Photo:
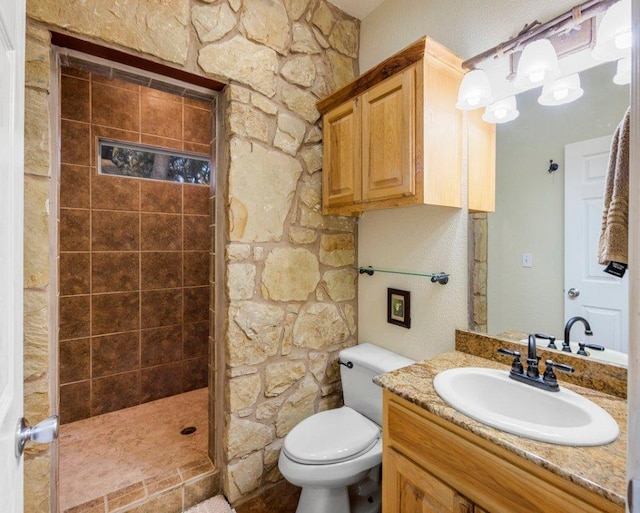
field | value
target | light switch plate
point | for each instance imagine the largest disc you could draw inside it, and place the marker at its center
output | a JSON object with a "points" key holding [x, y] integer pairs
{"points": [[527, 260]]}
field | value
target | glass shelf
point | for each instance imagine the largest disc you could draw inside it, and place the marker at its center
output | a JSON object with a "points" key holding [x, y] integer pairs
{"points": [[441, 278]]}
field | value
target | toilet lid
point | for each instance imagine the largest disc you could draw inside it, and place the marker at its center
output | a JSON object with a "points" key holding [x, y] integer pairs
{"points": [[330, 437]]}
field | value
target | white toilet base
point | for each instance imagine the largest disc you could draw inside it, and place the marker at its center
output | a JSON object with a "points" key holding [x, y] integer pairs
{"points": [[343, 499]]}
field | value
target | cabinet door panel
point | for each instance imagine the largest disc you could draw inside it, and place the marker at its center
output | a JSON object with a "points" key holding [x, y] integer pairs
{"points": [[341, 158], [388, 138], [411, 489]]}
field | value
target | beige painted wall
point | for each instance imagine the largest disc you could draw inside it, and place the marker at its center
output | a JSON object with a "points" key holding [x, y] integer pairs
{"points": [[426, 238], [529, 216]]}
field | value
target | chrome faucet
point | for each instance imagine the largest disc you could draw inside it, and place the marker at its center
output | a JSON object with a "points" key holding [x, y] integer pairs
{"points": [[567, 331]]}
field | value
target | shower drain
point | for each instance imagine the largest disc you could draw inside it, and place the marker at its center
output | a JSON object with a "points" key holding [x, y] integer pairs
{"points": [[188, 430]]}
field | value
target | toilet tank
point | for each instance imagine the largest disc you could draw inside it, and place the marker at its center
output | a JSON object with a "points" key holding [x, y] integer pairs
{"points": [[360, 393]]}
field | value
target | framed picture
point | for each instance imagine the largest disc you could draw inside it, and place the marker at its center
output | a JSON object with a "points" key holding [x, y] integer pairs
{"points": [[399, 307]]}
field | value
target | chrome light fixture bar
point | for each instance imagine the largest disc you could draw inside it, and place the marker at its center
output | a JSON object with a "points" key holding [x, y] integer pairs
{"points": [[534, 31]]}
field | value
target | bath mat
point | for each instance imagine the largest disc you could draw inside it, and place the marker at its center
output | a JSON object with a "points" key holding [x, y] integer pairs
{"points": [[217, 504]]}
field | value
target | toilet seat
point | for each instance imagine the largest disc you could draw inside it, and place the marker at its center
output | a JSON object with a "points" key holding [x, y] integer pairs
{"points": [[331, 436]]}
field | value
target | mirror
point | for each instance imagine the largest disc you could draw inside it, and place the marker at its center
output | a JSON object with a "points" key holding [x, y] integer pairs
{"points": [[526, 234]]}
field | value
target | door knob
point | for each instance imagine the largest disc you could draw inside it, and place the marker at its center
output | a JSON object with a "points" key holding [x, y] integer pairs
{"points": [[43, 432], [573, 293]]}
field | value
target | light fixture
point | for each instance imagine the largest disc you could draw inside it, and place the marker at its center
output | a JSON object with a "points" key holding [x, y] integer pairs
{"points": [[614, 37], [475, 91], [623, 71], [563, 90], [538, 64], [501, 111]]}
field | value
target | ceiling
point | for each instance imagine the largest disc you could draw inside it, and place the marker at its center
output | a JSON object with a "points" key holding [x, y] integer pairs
{"points": [[357, 8]]}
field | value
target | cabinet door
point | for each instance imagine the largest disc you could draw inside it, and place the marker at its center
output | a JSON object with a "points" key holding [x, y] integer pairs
{"points": [[341, 184], [407, 488], [388, 138]]}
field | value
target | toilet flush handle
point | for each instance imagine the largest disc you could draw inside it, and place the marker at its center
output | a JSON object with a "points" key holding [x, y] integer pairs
{"points": [[348, 365]]}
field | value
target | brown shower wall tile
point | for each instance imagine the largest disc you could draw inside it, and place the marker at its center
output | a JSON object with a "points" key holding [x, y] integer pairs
{"points": [[114, 313], [161, 115], [75, 99], [161, 381], [115, 392], [115, 193], [196, 198], [196, 268], [201, 149], [75, 229], [161, 345], [164, 197], [195, 373], [115, 231], [75, 186], [161, 232], [161, 142], [74, 317], [197, 125], [74, 274], [115, 107], [75, 401], [115, 272], [196, 232], [75, 143], [196, 339], [113, 354], [129, 329], [74, 361], [161, 270], [196, 304], [161, 307]]}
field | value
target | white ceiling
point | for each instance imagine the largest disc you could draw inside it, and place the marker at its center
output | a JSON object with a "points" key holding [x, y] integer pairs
{"points": [[357, 8]]}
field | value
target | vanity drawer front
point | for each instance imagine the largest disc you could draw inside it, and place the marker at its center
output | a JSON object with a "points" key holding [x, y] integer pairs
{"points": [[491, 477]]}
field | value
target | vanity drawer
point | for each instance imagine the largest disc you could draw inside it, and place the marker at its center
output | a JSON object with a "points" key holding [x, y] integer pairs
{"points": [[493, 478]]}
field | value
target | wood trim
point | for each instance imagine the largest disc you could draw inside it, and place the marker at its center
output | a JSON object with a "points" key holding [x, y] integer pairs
{"points": [[111, 54], [488, 475], [405, 58]]}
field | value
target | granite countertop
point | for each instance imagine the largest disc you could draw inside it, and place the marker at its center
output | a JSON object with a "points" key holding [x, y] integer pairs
{"points": [[601, 470]]}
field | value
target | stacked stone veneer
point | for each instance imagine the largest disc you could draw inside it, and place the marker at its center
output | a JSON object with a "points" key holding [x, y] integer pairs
{"points": [[286, 299], [478, 240]]}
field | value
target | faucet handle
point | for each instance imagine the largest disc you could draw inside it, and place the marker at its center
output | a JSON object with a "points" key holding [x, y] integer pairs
{"points": [[550, 377], [550, 338], [516, 366], [582, 346]]}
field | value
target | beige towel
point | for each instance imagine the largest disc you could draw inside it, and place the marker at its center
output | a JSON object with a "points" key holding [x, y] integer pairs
{"points": [[614, 235]]}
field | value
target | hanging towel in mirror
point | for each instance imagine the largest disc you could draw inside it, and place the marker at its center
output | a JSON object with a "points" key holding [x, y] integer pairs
{"points": [[614, 234]]}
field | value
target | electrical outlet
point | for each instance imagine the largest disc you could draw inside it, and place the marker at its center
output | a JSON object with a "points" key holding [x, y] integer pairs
{"points": [[527, 260]]}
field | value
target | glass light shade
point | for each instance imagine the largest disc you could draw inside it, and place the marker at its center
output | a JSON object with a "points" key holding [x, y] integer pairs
{"points": [[475, 91], [623, 72], [538, 65], [501, 111], [614, 37], [563, 90]]}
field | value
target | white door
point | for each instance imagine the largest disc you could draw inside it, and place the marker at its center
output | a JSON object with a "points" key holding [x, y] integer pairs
{"points": [[12, 16], [601, 298]]}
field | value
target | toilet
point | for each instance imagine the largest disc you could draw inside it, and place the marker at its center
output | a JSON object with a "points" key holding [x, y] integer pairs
{"points": [[335, 455]]}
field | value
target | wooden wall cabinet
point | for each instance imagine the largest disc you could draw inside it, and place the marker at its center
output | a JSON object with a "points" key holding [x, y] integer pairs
{"points": [[393, 136], [433, 466]]}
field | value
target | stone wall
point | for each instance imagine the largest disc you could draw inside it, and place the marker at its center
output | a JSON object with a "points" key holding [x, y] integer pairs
{"points": [[478, 240], [288, 288]]}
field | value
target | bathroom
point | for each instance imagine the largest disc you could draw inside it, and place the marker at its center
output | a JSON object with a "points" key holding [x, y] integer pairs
{"points": [[441, 246]]}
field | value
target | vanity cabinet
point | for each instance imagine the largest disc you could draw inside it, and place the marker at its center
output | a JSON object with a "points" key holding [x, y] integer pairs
{"points": [[393, 137], [434, 466]]}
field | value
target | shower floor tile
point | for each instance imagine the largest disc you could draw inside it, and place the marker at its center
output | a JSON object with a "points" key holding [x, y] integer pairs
{"points": [[132, 448]]}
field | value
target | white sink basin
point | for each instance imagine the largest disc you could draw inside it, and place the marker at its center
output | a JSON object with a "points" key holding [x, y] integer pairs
{"points": [[491, 397]]}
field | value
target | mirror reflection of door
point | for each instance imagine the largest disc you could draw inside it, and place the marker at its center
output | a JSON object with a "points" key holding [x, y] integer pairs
{"points": [[600, 298]]}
